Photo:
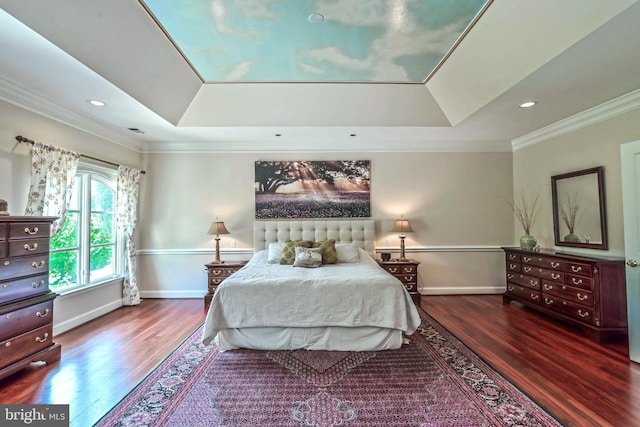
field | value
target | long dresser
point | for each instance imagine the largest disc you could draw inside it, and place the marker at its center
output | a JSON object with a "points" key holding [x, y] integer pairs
{"points": [[587, 292], [26, 303]]}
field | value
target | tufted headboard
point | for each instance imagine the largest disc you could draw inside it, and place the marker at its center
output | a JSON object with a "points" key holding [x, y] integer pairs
{"points": [[360, 232]]}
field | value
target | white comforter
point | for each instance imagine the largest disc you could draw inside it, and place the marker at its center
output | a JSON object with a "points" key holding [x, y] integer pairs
{"points": [[344, 294]]}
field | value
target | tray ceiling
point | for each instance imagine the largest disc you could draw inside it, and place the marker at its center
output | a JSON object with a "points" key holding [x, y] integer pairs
{"points": [[364, 41]]}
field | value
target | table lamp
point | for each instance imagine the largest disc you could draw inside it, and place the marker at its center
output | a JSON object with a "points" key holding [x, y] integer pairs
{"points": [[402, 226], [217, 228]]}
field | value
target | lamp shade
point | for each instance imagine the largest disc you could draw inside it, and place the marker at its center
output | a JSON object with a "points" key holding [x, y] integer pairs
{"points": [[402, 226], [217, 227]]}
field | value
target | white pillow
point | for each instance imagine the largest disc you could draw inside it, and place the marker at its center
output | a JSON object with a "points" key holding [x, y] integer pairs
{"points": [[275, 253], [347, 252], [308, 257]]}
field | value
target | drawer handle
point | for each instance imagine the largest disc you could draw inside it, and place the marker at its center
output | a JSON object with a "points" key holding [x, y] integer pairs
{"points": [[44, 337], [534, 297], [393, 269], [5, 285], [576, 281], [39, 264], [7, 262], [9, 316], [45, 314], [408, 269], [509, 276], [583, 298], [37, 285], [533, 282], [576, 269], [555, 264], [407, 278], [548, 301], [564, 288], [547, 287], [510, 288], [527, 269], [555, 276], [513, 266], [511, 257], [31, 232], [31, 248], [7, 344], [526, 258], [583, 313]]}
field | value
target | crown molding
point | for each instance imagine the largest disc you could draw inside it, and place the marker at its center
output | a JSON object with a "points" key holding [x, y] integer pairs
{"points": [[599, 113], [20, 97]]}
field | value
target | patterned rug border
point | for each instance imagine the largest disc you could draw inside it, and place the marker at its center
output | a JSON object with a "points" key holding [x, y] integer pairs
{"points": [[187, 357], [492, 369]]}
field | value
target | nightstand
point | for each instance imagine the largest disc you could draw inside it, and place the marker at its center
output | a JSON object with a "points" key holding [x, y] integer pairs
{"points": [[407, 273], [217, 273]]}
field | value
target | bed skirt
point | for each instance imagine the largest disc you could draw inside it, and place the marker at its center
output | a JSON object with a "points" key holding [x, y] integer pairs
{"points": [[332, 338]]}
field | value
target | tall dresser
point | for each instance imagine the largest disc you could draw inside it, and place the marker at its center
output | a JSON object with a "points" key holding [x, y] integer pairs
{"points": [[26, 303], [587, 292]]}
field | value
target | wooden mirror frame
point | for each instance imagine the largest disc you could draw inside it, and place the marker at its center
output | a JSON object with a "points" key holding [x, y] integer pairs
{"points": [[558, 179]]}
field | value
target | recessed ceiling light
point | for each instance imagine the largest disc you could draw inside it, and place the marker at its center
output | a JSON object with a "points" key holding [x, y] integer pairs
{"points": [[97, 103], [528, 104], [353, 134], [316, 18], [278, 134]]}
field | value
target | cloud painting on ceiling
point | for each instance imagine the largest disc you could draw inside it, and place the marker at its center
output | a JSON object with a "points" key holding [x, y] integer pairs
{"points": [[387, 41]]}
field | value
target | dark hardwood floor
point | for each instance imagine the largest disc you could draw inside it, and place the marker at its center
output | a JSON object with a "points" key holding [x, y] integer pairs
{"points": [[578, 381]]}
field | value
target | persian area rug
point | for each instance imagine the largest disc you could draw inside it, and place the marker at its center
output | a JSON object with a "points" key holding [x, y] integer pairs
{"points": [[435, 380]]}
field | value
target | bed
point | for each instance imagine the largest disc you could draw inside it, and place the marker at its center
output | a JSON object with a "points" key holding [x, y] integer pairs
{"points": [[352, 305]]}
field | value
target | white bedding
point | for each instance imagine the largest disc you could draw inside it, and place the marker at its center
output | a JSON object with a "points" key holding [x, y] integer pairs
{"points": [[345, 295]]}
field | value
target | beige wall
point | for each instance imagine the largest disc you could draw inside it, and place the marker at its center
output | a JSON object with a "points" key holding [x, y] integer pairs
{"points": [[456, 203], [595, 145], [15, 170]]}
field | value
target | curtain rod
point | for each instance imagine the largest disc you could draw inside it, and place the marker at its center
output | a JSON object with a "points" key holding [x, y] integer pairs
{"points": [[31, 141]]}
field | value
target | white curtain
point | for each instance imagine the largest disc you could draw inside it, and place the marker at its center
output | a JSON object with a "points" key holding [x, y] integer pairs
{"points": [[53, 171], [128, 190]]}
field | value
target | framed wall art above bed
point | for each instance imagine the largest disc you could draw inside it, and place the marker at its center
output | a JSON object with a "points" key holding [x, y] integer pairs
{"points": [[312, 189]]}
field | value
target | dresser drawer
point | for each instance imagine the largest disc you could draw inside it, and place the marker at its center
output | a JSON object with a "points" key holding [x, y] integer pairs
{"points": [[529, 282], [21, 346], [514, 266], [522, 292], [22, 288], [543, 273], [579, 281], [28, 247], [569, 308], [578, 269], [25, 319], [17, 267], [3, 248], [511, 257], [29, 230], [577, 295], [540, 261]]}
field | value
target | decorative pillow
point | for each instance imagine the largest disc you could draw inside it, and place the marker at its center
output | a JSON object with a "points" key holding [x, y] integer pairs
{"points": [[275, 253], [347, 252], [329, 254], [308, 257], [289, 250]]}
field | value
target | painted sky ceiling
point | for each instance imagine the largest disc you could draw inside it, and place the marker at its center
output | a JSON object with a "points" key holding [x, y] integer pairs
{"points": [[386, 41]]}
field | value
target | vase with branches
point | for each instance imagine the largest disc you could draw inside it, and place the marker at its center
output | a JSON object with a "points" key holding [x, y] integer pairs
{"points": [[526, 208], [569, 215]]}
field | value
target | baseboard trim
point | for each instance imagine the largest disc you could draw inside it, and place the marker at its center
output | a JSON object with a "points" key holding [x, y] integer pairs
{"points": [[59, 328], [173, 294], [457, 290]]}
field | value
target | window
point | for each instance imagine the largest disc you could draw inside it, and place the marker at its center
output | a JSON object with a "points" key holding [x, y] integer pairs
{"points": [[86, 250]]}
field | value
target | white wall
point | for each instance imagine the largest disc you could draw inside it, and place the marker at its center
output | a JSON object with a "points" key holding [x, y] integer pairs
{"points": [[456, 203], [15, 171], [591, 146]]}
